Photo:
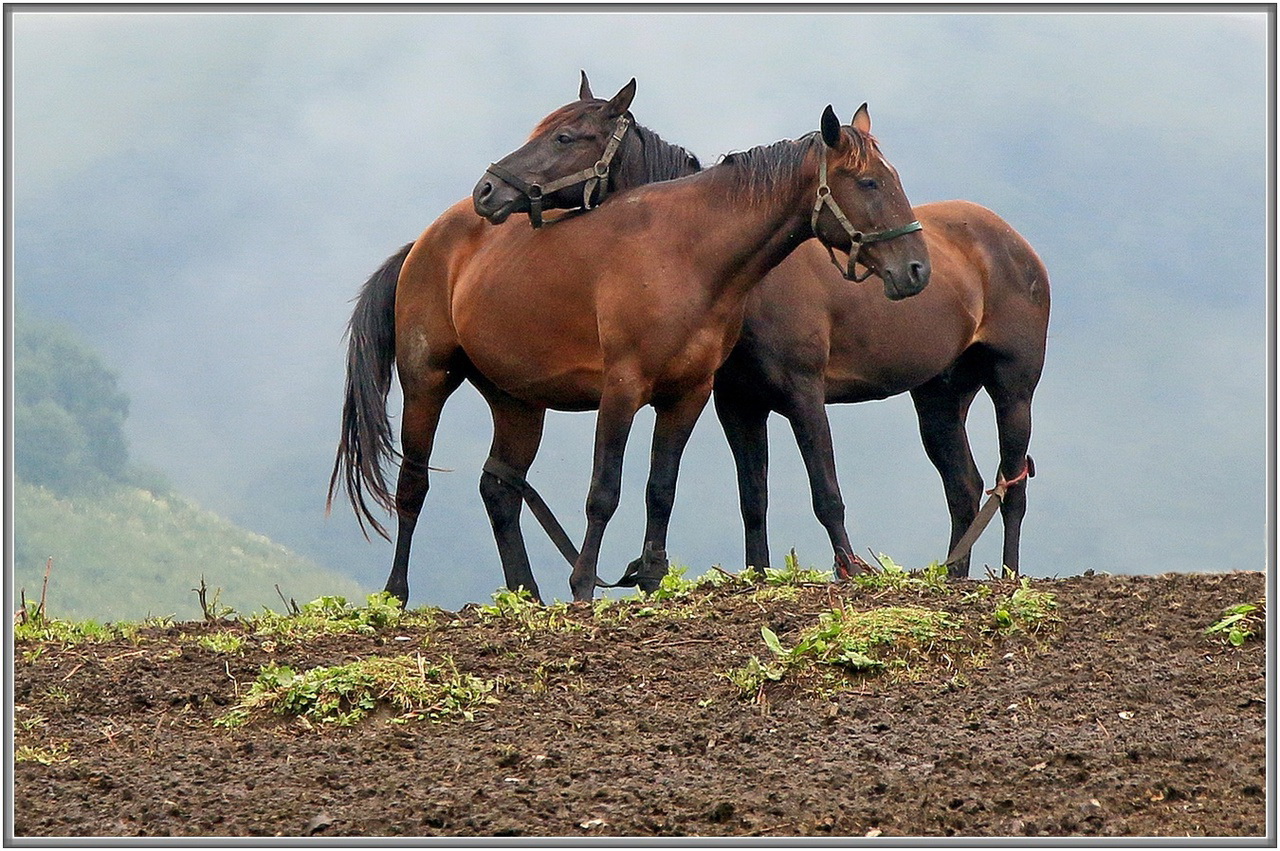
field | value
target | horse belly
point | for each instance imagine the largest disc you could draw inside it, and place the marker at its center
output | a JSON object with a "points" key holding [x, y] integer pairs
{"points": [[892, 347]]}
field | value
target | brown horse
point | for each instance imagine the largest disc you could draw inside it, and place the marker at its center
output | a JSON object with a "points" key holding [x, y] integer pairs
{"points": [[407, 301], [638, 303], [809, 339]]}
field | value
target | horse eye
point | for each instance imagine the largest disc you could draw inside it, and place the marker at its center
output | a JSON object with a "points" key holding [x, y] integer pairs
{"points": [[564, 138], [868, 183]]}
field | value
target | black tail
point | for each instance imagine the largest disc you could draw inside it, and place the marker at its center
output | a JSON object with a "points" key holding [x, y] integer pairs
{"points": [[366, 430]]}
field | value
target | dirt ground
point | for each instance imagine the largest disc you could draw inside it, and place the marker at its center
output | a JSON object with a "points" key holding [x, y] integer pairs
{"points": [[1120, 719]]}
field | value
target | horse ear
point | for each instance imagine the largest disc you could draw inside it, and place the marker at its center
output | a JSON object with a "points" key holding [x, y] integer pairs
{"points": [[861, 120], [621, 102], [584, 89], [830, 127]]}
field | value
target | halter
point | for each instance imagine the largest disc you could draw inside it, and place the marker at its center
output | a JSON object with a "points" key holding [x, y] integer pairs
{"points": [[856, 237], [592, 178]]}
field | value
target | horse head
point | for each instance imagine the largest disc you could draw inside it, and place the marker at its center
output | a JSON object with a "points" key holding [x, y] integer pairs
{"points": [[862, 210], [566, 162]]}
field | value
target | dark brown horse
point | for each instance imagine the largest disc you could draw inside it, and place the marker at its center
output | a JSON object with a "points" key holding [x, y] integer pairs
{"points": [[637, 303], [810, 338]]}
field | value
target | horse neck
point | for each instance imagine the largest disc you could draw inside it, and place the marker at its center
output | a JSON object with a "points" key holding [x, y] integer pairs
{"points": [[753, 231], [645, 158]]}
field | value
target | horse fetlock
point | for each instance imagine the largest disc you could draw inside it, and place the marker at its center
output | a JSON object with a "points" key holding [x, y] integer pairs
{"points": [[650, 568]]}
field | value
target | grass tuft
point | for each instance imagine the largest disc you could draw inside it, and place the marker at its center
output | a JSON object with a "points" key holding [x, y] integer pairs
{"points": [[343, 695]]}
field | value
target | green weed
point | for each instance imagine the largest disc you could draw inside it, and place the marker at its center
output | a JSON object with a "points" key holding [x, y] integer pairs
{"points": [[222, 642], [793, 574], [893, 576], [332, 614], [62, 632], [1239, 623], [1026, 608], [520, 609], [751, 677], [52, 754], [853, 641], [342, 695]]}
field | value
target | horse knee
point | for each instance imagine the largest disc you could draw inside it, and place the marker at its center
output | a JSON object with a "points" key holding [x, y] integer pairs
{"points": [[494, 491], [602, 502]]}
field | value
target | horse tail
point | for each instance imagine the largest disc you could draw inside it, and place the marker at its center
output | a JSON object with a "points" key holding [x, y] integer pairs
{"points": [[367, 440]]}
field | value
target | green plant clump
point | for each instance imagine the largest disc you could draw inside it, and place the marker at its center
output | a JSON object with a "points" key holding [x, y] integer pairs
{"points": [[893, 576], [342, 695], [332, 614], [67, 633], [851, 640], [1240, 623], [1026, 608]]}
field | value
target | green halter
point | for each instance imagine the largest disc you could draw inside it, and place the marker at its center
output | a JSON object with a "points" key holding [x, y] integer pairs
{"points": [[856, 237]]}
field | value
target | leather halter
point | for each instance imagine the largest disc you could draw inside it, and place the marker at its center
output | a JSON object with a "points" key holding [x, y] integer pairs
{"points": [[856, 237], [596, 177]]}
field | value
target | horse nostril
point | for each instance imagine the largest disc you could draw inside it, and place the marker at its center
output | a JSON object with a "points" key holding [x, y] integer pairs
{"points": [[486, 189], [918, 271]]}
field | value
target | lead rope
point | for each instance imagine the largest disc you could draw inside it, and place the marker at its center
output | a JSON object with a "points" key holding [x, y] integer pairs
{"points": [[965, 545]]}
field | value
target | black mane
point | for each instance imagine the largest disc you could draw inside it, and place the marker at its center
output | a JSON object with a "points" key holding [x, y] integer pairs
{"points": [[647, 158]]}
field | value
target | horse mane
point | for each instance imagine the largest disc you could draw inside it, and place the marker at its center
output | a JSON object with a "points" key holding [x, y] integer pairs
{"points": [[660, 159], [754, 174]]}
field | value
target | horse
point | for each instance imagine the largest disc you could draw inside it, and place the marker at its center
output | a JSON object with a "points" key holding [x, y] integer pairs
{"points": [[810, 339], [405, 301], [638, 303]]}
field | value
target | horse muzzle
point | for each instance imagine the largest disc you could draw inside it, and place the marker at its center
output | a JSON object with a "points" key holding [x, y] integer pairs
{"points": [[496, 201], [906, 280]]}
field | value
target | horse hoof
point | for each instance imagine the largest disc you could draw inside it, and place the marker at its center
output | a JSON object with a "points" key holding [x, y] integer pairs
{"points": [[401, 593], [650, 568], [848, 565]]}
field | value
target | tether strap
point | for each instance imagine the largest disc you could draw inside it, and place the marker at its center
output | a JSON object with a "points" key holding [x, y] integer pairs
{"points": [[512, 478], [594, 178], [857, 239], [965, 545]]}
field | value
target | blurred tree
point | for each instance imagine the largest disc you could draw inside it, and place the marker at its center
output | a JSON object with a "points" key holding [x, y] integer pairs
{"points": [[68, 412]]}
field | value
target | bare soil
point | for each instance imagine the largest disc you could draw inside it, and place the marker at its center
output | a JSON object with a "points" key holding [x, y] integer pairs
{"points": [[1122, 719]]}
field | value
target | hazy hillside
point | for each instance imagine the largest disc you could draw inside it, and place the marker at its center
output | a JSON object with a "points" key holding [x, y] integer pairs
{"points": [[126, 553]]}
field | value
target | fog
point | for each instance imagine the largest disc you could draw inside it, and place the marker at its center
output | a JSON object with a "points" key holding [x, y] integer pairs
{"points": [[200, 195]]}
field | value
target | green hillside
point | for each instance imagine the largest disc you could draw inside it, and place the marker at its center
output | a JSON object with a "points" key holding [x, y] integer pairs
{"points": [[123, 553]]}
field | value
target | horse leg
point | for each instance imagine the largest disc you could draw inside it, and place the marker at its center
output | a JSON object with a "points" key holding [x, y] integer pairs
{"points": [[747, 430], [422, 405], [807, 412], [941, 407], [618, 406], [517, 432], [671, 431], [1011, 388]]}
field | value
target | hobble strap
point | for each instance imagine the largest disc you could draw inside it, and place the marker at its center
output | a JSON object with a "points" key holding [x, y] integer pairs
{"points": [[646, 570]]}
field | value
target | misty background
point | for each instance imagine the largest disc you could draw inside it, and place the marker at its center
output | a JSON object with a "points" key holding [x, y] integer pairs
{"points": [[200, 195]]}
